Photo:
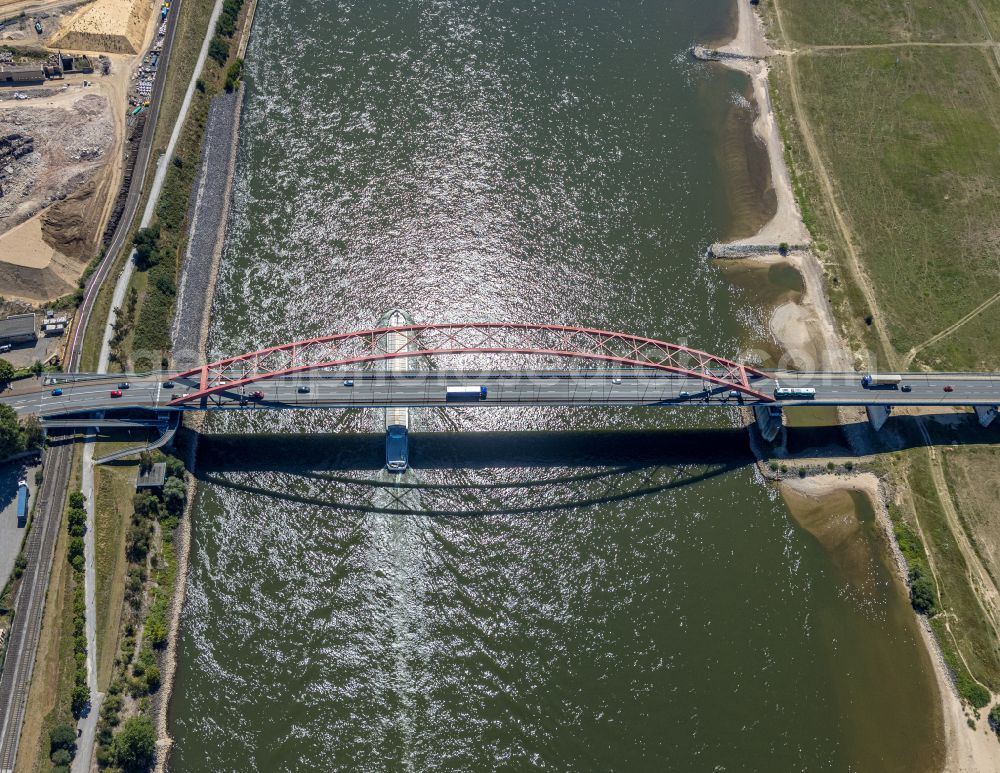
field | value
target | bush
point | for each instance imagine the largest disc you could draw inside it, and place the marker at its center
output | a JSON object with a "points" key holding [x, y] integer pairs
{"points": [[61, 757], [6, 373], [218, 50], [923, 595], [977, 695], [76, 500], [994, 719]]}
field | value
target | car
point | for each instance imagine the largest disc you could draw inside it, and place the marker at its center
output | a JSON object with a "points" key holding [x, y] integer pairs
{"points": [[168, 384], [906, 388], [56, 392], [685, 395], [116, 393], [303, 390], [736, 395], [949, 388], [5, 348], [616, 380], [348, 382], [258, 395], [124, 385]]}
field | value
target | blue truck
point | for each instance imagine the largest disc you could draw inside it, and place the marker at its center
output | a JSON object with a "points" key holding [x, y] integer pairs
{"points": [[22, 504]]}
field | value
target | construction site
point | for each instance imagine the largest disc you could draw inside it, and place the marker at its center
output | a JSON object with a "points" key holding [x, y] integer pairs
{"points": [[75, 83]]}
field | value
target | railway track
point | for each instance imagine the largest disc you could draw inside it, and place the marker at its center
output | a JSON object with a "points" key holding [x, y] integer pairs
{"points": [[30, 604]]}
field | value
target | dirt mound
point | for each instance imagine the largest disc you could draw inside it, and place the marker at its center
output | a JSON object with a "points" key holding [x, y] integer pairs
{"points": [[115, 26], [35, 285], [70, 226]]}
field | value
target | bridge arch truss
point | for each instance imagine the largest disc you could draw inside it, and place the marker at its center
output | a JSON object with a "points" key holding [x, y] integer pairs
{"points": [[481, 338]]}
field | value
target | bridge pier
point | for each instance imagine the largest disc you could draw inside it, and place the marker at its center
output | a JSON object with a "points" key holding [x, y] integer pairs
{"points": [[986, 414], [770, 420], [877, 415], [397, 419]]}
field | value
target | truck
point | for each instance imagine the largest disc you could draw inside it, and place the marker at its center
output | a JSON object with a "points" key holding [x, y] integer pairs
{"points": [[794, 393], [890, 380], [22, 504], [458, 393], [396, 448]]}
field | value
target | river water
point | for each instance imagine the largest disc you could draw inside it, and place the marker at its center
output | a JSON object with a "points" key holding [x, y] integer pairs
{"points": [[591, 590]]}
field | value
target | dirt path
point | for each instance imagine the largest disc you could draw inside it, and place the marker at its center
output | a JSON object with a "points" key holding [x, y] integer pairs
{"points": [[908, 359]]}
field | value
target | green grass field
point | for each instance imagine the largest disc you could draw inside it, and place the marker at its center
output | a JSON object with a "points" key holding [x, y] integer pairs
{"points": [[910, 137], [859, 22], [114, 487]]}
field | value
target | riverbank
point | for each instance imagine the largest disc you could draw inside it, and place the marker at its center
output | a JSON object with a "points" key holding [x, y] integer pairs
{"points": [[805, 329], [809, 334]]}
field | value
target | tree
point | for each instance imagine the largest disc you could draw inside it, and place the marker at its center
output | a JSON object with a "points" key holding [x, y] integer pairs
{"points": [[61, 758], [174, 495], [175, 467], [62, 737], [147, 246], [33, 434], [80, 700], [6, 373], [133, 747], [10, 432], [923, 595], [145, 462]]}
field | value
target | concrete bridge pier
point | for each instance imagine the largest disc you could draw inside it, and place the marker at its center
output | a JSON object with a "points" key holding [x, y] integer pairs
{"points": [[986, 414], [877, 415], [770, 420]]}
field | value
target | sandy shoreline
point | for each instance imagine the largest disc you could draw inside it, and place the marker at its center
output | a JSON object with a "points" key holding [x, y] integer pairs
{"points": [[807, 331]]}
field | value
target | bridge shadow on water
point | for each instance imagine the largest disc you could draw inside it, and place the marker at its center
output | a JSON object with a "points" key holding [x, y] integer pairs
{"points": [[611, 467]]}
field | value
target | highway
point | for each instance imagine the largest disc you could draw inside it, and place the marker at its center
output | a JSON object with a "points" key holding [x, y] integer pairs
{"points": [[357, 389]]}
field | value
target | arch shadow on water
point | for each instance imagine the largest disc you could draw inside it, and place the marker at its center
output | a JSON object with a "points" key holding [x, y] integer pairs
{"points": [[616, 466]]}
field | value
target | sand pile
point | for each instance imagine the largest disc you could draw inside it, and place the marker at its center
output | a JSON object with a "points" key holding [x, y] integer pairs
{"points": [[115, 26]]}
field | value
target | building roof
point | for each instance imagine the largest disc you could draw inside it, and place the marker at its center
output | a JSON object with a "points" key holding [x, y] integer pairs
{"points": [[21, 72], [17, 325], [152, 478]]}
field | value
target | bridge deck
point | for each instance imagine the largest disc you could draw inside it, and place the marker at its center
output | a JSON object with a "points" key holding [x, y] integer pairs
{"points": [[416, 388]]}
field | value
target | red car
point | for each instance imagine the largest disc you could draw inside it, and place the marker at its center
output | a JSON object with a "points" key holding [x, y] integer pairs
{"points": [[116, 393], [949, 388], [258, 395]]}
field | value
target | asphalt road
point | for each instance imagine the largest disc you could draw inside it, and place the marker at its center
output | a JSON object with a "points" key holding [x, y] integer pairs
{"points": [[87, 392]]}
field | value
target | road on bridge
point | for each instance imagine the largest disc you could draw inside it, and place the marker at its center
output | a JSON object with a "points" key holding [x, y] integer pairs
{"points": [[358, 389]]}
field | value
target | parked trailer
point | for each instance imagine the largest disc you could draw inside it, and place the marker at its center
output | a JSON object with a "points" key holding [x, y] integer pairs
{"points": [[453, 394], [22, 504]]}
